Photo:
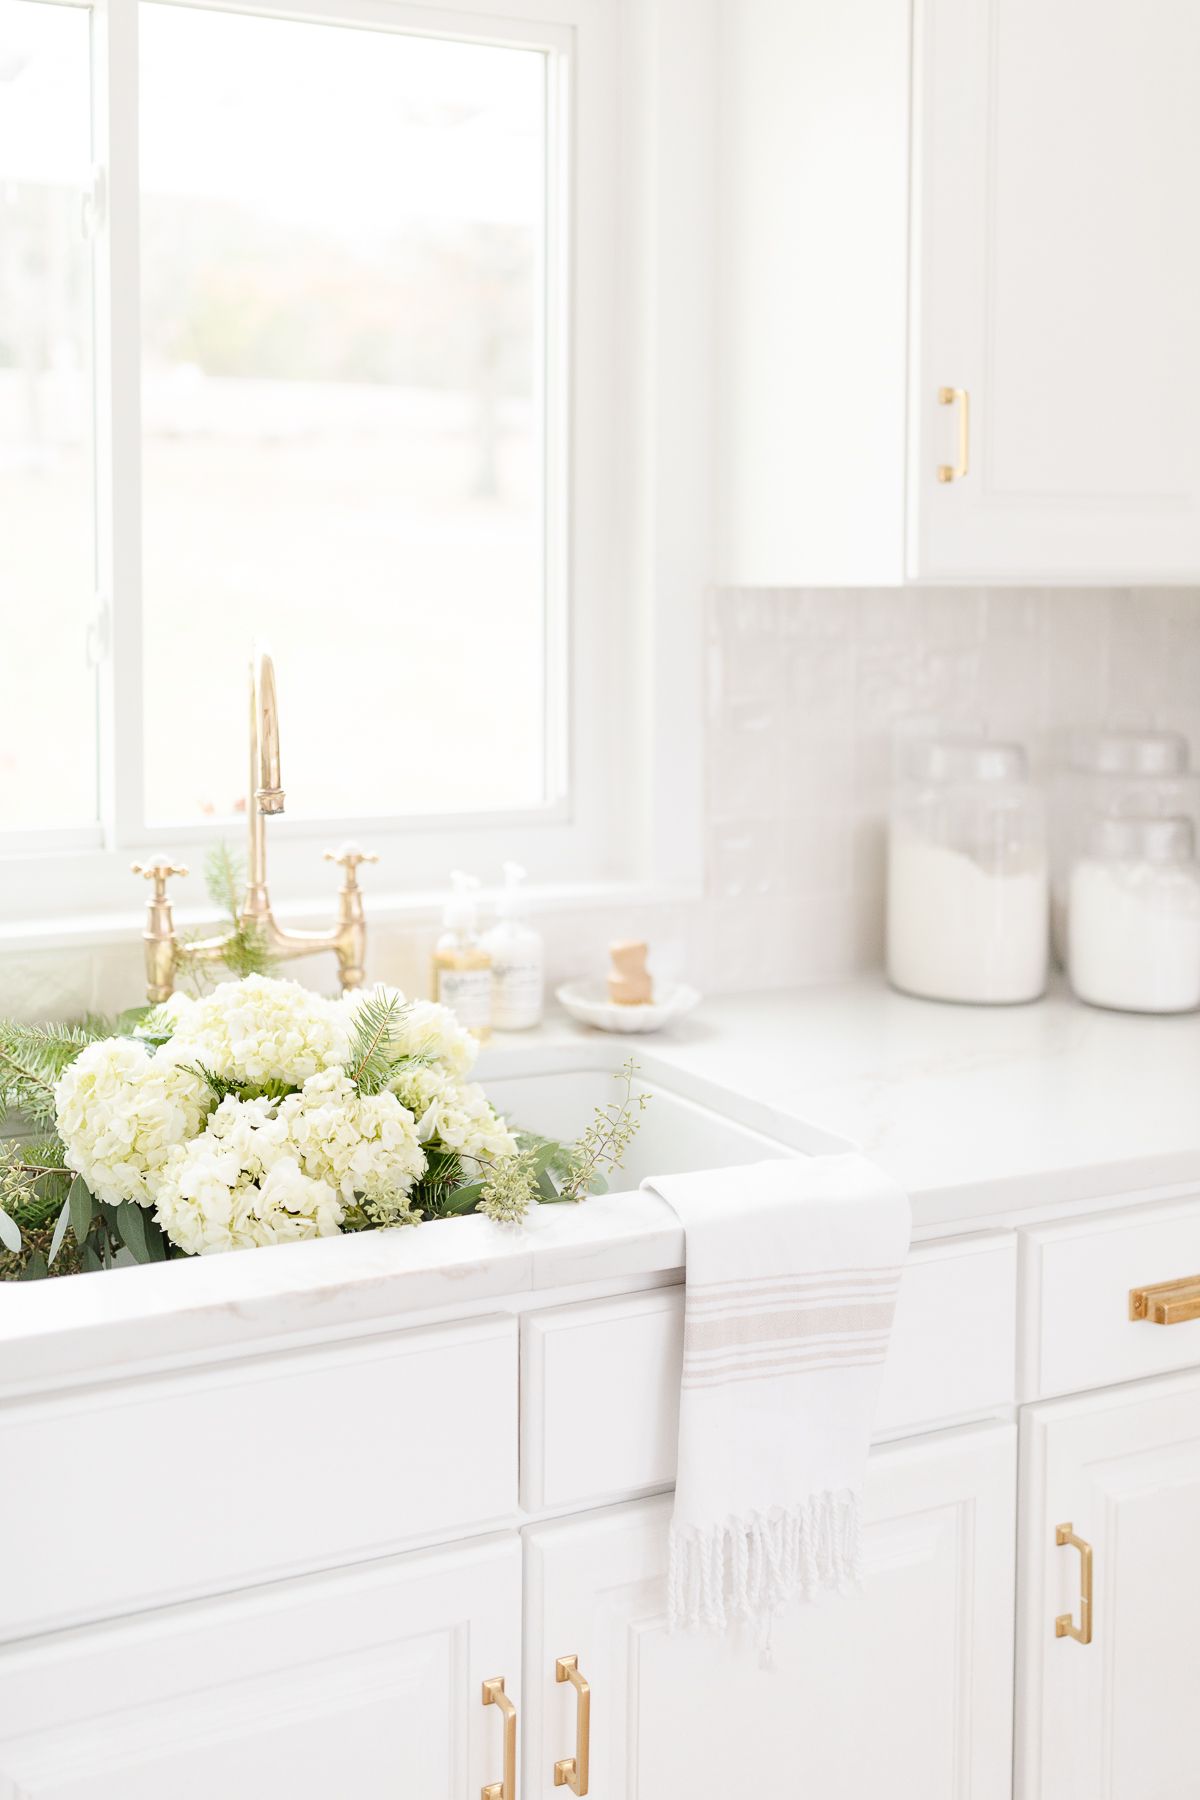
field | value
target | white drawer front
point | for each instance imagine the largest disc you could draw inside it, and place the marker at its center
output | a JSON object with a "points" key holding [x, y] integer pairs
{"points": [[1076, 1280], [954, 1343], [600, 1398], [162, 1487], [600, 1381]]}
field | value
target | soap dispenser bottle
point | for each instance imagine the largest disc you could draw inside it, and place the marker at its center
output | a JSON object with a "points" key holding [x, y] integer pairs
{"points": [[462, 968], [517, 958]]}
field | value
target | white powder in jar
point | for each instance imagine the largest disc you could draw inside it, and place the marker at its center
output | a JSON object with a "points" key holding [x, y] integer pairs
{"points": [[958, 929], [1134, 935]]}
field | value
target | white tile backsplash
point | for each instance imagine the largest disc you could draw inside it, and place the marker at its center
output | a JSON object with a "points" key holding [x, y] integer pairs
{"points": [[795, 853], [805, 690]]}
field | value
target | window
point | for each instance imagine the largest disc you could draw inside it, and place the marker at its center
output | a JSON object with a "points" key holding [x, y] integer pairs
{"points": [[48, 760], [309, 323], [343, 238]]}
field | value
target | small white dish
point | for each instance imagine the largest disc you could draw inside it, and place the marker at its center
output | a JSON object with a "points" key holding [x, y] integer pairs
{"points": [[588, 1002]]}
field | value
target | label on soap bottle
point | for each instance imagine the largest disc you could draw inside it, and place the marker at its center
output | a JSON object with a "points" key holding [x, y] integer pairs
{"points": [[517, 994], [468, 994]]}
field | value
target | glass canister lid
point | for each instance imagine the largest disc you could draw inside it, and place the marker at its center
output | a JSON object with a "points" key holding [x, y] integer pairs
{"points": [[1129, 752], [946, 761], [1142, 840]]}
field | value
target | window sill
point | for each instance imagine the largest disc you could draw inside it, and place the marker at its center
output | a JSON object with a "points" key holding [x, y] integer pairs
{"points": [[95, 930]]}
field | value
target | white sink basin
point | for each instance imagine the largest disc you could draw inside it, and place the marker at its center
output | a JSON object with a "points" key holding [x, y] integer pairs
{"points": [[674, 1135], [688, 1124]]}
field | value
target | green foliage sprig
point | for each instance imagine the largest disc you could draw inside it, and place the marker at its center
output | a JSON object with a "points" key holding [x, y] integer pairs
{"points": [[376, 1022], [601, 1149], [245, 951]]}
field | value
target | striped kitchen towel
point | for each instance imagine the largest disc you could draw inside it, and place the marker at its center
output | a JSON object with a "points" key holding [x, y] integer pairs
{"points": [[792, 1272]]}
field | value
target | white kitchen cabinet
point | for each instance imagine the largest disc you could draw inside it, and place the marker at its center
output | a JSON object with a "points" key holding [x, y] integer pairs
{"points": [[903, 1689], [1057, 280], [1021, 176], [1113, 1719], [364, 1683]]}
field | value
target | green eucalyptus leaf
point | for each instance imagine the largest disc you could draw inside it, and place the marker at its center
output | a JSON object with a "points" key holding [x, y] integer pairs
{"points": [[89, 1258], [464, 1199], [156, 1239], [79, 1203], [10, 1232], [131, 1223], [35, 1269], [60, 1230]]}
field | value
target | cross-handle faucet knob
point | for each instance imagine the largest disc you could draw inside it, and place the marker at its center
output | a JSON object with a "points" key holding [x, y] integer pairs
{"points": [[348, 858], [159, 872]]}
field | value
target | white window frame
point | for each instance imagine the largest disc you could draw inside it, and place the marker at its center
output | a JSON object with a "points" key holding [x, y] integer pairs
{"points": [[628, 466]]}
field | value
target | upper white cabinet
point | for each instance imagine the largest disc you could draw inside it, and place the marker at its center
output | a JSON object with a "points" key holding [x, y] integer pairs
{"points": [[959, 238]]}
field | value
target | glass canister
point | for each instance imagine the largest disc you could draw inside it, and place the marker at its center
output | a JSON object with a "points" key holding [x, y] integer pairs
{"points": [[1133, 933], [1129, 773], [968, 875]]}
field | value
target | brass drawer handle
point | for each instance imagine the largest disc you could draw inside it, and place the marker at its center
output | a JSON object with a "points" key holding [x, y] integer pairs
{"points": [[1167, 1303], [572, 1771], [1064, 1625], [956, 471], [494, 1695]]}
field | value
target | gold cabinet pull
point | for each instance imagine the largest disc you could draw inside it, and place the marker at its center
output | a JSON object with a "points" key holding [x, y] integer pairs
{"points": [[1064, 1625], [956, 471], [1168, 1303], [494, 1695], [572, 1771]]}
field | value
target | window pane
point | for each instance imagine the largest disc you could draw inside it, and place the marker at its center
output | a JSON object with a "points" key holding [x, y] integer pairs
{"points": [[343, 260], [47, 553]]}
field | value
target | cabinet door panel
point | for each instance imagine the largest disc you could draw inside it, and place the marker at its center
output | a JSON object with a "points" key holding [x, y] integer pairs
{"points": [[1113, 1719], [1057, 278], [366, 1682], [903, 1689]]}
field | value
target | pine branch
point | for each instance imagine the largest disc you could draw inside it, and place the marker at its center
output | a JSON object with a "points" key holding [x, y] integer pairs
{"points": [[375, 1025], [245, 950], [32, 1057], [24, 1090], [225, 878], [220, 1085]]}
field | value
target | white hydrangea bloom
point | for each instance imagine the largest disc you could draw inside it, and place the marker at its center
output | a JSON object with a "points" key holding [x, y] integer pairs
{"points": [[425, 1029], [459, 1113], [359, 1145], [260, 1029], [431, 1030], [174, 1010], [240, 1184], [121, 1111]]}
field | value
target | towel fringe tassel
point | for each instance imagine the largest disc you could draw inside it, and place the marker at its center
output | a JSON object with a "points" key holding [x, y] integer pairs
{"points": [[749, 1567]]}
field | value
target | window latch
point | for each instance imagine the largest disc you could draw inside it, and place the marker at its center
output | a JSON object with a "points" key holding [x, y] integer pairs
{"points": [[99, 632], [91, 205]]}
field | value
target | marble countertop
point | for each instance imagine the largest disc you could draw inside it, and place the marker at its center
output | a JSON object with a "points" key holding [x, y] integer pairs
{"points": [[974, 1110], [984, 1115]]}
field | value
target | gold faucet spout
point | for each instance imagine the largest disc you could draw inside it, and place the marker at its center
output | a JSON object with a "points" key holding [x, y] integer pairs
{"points": [[264, 736]]}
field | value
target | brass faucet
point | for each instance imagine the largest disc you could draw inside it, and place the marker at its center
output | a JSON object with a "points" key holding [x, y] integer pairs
{"points": [[165, 954]]}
